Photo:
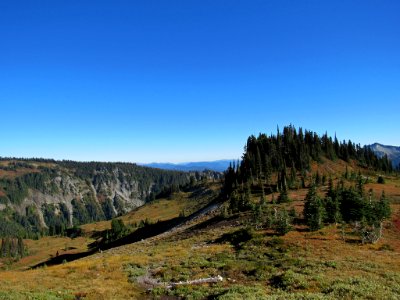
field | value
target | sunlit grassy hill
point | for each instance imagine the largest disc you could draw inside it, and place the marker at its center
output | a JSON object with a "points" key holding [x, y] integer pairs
{"points": [[254, 263]]}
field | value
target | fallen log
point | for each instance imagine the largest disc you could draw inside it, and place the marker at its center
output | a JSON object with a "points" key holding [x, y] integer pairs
{"points": [[216, 279]]}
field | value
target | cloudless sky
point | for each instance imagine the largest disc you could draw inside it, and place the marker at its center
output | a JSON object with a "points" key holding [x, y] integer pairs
{"points": [[145, 81]]}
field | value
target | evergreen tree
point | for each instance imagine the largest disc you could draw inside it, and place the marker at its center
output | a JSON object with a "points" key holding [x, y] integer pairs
{"points": [[117, 228], [323, 179], [293, 183], [360, 184], [21, 247], [352, 206], [375, 212], [314, 212], [332, 209], [258, 164], [317, 179], [234, 202], [283, 196], [383, 210], [7, 247], [282, 223], [332, 204], [258, 212], [3, 252]]}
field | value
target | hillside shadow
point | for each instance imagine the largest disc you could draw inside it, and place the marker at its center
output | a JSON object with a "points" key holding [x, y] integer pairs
{"points": [[352, 241], [212, 222], [59, 259], [142, 233], [199, 192], [302, 229], [148, 231], [138, 235]]}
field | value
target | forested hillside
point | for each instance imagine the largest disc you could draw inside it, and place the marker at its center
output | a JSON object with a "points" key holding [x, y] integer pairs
{"points": [[290, 155], [46, 197], [283, 162]]}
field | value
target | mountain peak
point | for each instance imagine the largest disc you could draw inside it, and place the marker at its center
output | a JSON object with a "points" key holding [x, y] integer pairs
{"points": [[393, 152]]}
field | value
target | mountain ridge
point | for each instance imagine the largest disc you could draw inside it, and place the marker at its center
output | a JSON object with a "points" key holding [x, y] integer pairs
{"points": [[49, 196], [392, 152], [216, 165]]}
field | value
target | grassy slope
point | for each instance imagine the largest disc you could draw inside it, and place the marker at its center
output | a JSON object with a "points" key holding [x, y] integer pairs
{"points": [[95, 277], [300, 264], [161, 209]]}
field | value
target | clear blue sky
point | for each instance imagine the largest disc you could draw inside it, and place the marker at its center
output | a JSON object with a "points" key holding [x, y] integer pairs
{"points": [[144, 81]]}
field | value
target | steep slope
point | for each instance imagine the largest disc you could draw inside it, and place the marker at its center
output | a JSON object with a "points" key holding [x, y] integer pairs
{"points": [[392, 152], [49, 196], [181, 206]]}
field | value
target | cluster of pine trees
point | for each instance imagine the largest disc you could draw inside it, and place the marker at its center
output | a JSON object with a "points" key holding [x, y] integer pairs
{"points": [[14, 224], [292, 152], [349, 206], [56, 218], [12, 247], [16, 189], [273, 164]]}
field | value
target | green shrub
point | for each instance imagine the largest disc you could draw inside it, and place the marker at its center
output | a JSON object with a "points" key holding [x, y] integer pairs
{"points": [[289, 281], [238, 237], [134, 271], [359, 288], [243, 292]]}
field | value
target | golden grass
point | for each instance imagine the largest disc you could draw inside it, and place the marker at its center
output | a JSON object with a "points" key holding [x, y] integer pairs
{"points": [[157, 210], [103, 275], [41, 250], [95, 278]]}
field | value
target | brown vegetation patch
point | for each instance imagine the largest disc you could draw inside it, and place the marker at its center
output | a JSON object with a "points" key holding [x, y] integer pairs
{"points": [[17, 173]]}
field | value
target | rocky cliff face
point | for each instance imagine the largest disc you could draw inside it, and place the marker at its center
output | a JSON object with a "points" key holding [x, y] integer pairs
{"points": [[127, 194], [392, 152], [62, 194]]}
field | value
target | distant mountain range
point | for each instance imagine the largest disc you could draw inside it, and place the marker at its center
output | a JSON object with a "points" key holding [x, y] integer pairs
{"points": [[218, 165], [392, 152]]}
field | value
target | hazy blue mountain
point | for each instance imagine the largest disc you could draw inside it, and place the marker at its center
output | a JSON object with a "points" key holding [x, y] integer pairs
{"points": [[218, 165], [392, 152]]}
